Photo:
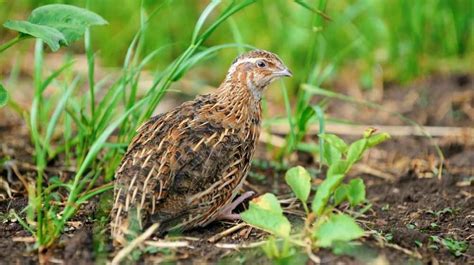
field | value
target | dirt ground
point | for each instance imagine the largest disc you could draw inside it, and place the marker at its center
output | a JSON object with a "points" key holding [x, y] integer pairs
{"points": [[412, 206]]}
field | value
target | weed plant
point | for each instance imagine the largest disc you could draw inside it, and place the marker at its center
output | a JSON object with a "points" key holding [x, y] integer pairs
{"points": [[323, 227]]}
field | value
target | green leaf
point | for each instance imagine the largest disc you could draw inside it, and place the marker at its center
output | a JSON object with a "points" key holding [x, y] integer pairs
{"points": [[305, 116], [340, 194], [356, 191], [338, 168], [300, 182], [356, 149], [335, 141], [56, 24], [327, 187], [339, 228], [376, 139], [71, 21], [330, 154], [3, 96], [268, 202], [49, 35], [265, 213], [454, 246]]}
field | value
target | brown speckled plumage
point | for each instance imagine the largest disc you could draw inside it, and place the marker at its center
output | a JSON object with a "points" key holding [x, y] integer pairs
{"points": [[185, 166]]}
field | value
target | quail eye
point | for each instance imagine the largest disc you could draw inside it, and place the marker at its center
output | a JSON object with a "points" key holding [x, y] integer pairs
{"points": [[261, 64]]}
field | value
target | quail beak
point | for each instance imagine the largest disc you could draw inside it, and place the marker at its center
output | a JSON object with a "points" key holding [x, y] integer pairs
{"points": [[283, 72]]}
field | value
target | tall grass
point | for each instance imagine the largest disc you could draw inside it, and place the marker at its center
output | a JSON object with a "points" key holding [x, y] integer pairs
{"points": [[75, 126]]}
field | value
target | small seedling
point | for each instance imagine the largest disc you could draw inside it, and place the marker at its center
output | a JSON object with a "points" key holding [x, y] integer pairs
{"points": [[418, 243], [457, 248], [454, 246], [441, 212], [323, 228]]}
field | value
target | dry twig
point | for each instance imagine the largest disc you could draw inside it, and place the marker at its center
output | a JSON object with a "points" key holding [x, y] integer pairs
{"points": [[135, 243], [343, 129], [227, 232]]}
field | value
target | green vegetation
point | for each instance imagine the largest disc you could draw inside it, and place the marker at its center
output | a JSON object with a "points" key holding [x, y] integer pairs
{"points": [[55, 25], [454, 246], [323, 227]]}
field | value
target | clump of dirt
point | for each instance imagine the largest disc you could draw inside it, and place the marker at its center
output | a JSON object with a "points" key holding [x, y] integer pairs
{"points": [[412, 212]]}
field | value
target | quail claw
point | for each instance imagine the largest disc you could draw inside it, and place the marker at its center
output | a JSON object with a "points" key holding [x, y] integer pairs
{"points": [[226, 212]]}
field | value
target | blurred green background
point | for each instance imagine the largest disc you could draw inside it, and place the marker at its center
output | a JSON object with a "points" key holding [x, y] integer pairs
{"points": [[402, 39]]}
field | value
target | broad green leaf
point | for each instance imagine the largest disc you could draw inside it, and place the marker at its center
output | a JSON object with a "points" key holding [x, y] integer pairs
{"points": [[300, 182], [335, 141], [356, 191], [356, 149], [327, 187], [50, 36], [265, 213], [339, 228], [71, 21], [268, 202], [330, 154], [340, 194], [376, 139], [3, 96], [56, 24], [338, 168]]}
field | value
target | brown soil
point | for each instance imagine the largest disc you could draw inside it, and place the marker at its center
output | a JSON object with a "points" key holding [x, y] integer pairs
{"points": [[412, 209]]}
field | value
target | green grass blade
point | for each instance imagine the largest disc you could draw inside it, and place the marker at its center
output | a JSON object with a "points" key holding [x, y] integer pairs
{"points": [[207, 11], [91, 155], [58, 111]]}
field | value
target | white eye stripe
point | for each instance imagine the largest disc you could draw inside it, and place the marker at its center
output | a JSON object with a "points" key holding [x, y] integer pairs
{"points": [[241, 61], [248, 60]]}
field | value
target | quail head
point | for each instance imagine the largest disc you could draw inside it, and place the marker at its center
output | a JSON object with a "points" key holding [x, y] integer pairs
{"points": [[184, 167]]}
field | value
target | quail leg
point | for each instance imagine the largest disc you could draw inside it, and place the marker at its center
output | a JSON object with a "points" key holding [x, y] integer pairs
{"points": [[226, 212]]}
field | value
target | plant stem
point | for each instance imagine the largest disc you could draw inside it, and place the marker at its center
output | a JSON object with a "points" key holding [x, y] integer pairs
{"points": [[39, 149], [290, 144], [10, 43]]}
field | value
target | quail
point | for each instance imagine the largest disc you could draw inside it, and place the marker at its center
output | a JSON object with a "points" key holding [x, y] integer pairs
{"points": [[184, 167]]}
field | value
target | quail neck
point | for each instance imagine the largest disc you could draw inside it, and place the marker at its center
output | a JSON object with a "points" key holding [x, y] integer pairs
{"points": [[246, 80]]}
